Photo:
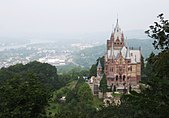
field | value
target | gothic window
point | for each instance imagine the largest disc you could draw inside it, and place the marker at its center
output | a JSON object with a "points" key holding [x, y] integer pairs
{"points": [[130, 68], [106, 67], [116, 77], [124, 77]]}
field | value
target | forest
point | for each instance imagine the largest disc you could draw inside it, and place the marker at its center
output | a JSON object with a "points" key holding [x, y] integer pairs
{"points": [[36, 90]]}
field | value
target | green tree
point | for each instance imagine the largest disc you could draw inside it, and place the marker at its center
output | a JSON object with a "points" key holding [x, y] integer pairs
{"points": [[152, 101], [93, 69], [23, 97], [84, 94], [142, 63], [160, 33], [103, 85], [78, 102]]}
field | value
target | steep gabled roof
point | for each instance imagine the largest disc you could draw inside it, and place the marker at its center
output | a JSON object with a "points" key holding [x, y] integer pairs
{"points": [[117, 32], [99, 64], [135, 56]]}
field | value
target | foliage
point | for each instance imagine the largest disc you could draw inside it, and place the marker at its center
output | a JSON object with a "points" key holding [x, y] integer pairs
{"points": [[142, 63], [26, 89], [46, 73], [23, 96], [93, 69], [84, 94], [103, 84], [149, 69], [152, 101], [55, 104], [78, 102], [160, 33]]}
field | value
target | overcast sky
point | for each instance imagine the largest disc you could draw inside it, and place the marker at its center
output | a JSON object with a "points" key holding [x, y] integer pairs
{"points": [[78, 16]]}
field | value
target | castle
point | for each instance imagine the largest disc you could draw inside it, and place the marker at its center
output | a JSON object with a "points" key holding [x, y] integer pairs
{"points": [[122, 65]]}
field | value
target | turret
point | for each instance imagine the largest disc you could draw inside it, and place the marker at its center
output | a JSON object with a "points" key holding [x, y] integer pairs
{"points": [[99, 69], [118, 37]]}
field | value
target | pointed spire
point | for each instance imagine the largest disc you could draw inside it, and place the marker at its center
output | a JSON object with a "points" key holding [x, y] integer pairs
{"points": [[99, 64], [117, 25], [117, 20]]}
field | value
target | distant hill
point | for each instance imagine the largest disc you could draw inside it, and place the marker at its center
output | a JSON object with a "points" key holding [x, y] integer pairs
{"points": [[145, 44], [88, 56]]}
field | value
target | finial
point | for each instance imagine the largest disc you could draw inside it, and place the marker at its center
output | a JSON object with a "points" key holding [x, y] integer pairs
{"points": [[117, 17]]}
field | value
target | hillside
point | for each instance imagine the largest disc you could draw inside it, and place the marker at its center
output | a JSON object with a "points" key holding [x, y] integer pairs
{"points": [[88, 56]]}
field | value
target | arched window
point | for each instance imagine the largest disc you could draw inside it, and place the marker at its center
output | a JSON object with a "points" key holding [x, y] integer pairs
{"points": [[124, 77], [116, 77]]}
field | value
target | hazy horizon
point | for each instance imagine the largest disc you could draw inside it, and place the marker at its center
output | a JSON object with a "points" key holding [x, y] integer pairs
{"points": [[31, 18]]}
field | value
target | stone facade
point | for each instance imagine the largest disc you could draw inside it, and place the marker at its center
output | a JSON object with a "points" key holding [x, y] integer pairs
{"points": [[122, 64]]}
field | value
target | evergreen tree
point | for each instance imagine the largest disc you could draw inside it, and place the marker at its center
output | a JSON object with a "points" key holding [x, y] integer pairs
{"points": [[103, 85]]}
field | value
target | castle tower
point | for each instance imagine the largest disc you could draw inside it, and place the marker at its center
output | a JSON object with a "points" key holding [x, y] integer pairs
{"points": [[122, 65], [99, 70]]}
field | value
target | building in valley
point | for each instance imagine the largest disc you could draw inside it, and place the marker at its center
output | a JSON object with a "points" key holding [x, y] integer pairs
{"points": [[122, 65]]}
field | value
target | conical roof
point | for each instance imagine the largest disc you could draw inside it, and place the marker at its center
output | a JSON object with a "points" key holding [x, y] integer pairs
{"points": [[99, 64]]}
